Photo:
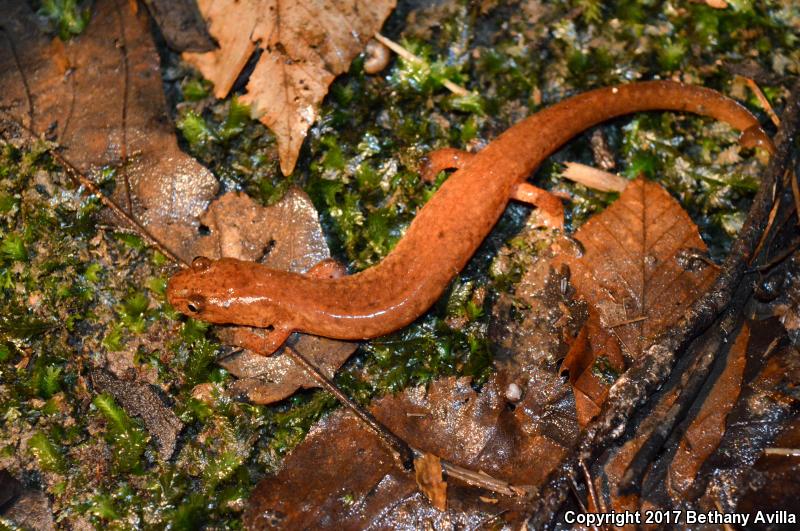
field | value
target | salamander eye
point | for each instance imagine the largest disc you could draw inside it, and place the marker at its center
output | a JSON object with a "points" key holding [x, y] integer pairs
{"points": [[201, 263], [195, 304]]}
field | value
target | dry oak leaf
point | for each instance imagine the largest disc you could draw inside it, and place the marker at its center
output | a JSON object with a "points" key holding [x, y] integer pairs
{"points": [[642, 267], [304, 45]]}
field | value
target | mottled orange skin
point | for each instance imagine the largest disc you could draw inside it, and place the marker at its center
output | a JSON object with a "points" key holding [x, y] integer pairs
{"points": [[442, 237]]}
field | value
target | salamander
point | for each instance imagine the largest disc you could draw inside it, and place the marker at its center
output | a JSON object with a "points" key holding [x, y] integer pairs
{"points": [[443, 236]]}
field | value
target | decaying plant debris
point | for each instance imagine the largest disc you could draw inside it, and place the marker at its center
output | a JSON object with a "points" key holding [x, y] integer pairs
{"points": [[115, 410]]}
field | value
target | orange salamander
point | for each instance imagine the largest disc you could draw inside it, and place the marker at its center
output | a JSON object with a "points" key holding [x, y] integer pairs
{"points": [[443, 236]]}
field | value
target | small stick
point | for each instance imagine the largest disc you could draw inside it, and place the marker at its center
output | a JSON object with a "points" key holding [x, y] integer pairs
{"points": [[574, 488], [788, 452], [783, 255], [796, 195], [482, 480], [84, 181], [599, 504], [404, 452], [408, 56], [726, 527], [594, 178], [123, 48], [762, 99], [629, 321], [770, 220]]}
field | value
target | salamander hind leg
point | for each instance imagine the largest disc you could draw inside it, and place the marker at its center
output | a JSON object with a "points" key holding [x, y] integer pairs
{"points": [[754, 136], [328, 268], [262, 341], [549, 205], [443, 159]]}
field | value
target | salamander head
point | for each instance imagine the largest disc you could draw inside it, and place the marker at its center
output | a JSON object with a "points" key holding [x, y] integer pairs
{"points": [[226, 291]]}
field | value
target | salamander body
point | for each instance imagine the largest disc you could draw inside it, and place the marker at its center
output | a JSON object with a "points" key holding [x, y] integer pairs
{"points": [[441, 239]]}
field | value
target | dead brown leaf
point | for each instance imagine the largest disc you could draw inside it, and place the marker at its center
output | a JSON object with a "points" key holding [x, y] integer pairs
{"points": [[636, 277], [304, 45], [141, 400], [591, 362], [428, 474], [342, 476], [99, 96], [734, 417], [618, 462]]}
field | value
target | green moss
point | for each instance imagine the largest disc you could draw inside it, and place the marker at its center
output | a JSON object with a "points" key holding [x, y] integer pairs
{"points": [[132, 241], [190, 514], [68, 17], [7, 203], [127, 438], [291, 425], [195, 130], [196, 89], [48, 455], [113, 339], [12, 247], [195, 353], [671, 54], [5, 352], [235, 121], [103, 506]]}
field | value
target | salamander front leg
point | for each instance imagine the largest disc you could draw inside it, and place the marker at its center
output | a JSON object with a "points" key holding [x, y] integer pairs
{"points": [[262, 341], [550, 206], [443, 159]]}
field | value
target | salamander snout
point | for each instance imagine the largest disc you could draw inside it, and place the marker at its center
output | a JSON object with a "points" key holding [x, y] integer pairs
{"points": [[183, 290]]}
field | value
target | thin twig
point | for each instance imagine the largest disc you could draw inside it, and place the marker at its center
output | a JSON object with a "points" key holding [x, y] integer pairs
{"points": [[706, 353], [594, 177], [482, 480], [408, 56], [765, 234], [788, 452], [404, 452], [123, 47], [599, 504], [629, 321], [783, 255], [762, 99], [796, 195], [574, 487], [25, 86]]}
